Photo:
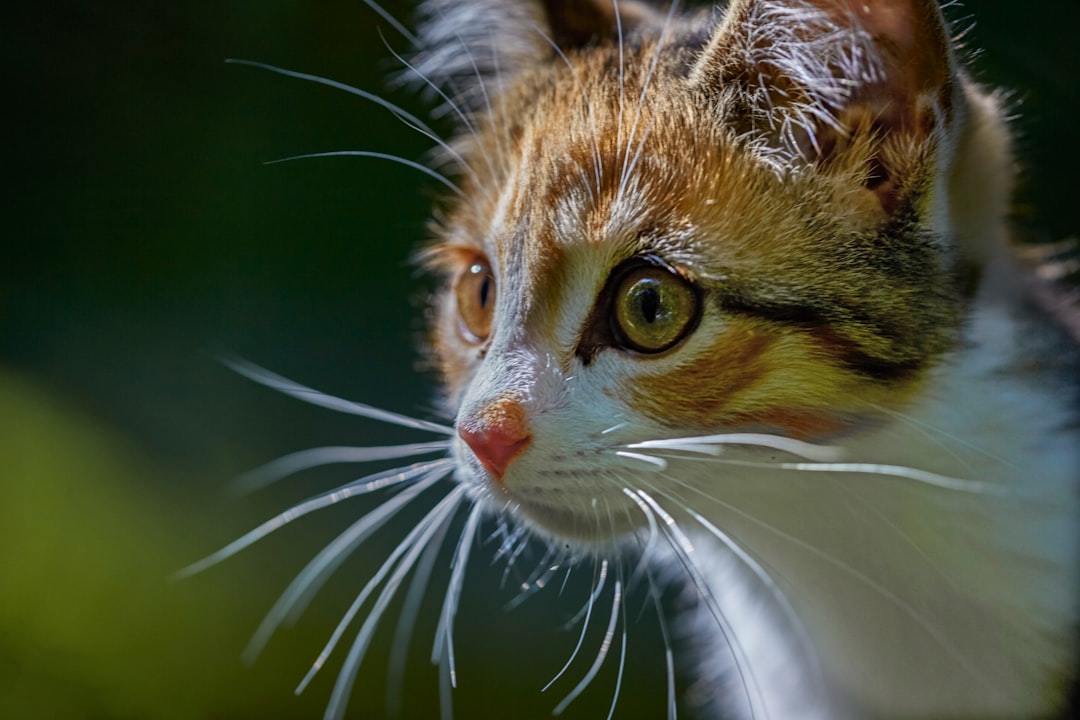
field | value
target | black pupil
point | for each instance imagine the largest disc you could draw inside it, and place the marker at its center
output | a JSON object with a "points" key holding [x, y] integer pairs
{"points": [[485, 291], [649, 300]]}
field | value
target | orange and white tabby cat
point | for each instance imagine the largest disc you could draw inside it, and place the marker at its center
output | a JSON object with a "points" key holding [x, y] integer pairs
{"points": [[729, 288]]}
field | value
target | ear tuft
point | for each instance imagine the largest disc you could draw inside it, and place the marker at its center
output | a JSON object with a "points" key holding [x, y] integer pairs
{"points": [[577, 23], [807, 79]]}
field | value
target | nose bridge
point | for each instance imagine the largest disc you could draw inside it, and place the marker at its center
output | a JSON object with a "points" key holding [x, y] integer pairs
{"points": [[507, 374], [531, 269]]}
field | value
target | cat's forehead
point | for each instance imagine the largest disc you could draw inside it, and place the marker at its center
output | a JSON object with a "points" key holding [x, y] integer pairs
{"points": [[598, 185]]}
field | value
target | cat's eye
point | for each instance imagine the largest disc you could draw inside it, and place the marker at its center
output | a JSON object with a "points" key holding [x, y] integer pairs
{"points": [[653, 307], [474, 291]]}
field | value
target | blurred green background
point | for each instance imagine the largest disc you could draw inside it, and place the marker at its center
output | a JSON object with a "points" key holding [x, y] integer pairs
{"points": [[143, 234]]}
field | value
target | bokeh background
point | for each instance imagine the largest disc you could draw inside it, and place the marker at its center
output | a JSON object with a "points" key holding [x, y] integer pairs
{"points": [[142, 235]]}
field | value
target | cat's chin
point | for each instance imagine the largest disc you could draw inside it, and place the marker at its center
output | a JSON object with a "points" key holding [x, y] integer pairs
{"points": [[580, 520]]}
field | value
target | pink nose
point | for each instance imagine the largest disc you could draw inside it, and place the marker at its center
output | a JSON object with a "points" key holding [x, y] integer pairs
{"points": [[498, 436]]}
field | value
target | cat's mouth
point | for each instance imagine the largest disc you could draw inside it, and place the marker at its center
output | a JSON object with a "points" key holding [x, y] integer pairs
{"points": [[555, 498]]}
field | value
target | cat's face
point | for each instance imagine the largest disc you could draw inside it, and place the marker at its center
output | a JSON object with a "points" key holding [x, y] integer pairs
{"points": [[685, 238]]}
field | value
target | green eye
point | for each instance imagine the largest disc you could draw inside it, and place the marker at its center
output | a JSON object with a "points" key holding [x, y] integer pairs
{"points": [[654, 308]]}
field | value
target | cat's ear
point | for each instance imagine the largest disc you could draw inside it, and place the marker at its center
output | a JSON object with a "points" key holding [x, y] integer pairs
{"points": [[820, 81], [577, 23], [473, 48]]}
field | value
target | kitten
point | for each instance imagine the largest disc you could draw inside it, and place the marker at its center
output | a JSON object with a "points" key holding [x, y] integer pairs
{"points": [[729, 287]]}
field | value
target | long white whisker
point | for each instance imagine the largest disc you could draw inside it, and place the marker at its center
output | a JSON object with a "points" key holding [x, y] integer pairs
{"points": [[764, 578], [653, 460], [450, 150], [898, 471], [395, 109], [518, 549], [409, 547], [308, 581], [601, 655], [904, 536], [713, 445], [685, 551], [294, 389], [583, 173], [503, 155], [410, 610], [370, 483], [925, 477], [407, 118], [932, 432], [642, 566], [439, 91], [483, 89], [301, 460], [669, 656], [774, 590], [512, 543], [446, 702], [536, 581], [646, 551], [622, 659], [434, 86], [566, 578], [502, 530], [371, 154], [444, 633], [392, 20], [598, 586], [417, 543], [539, 583]]}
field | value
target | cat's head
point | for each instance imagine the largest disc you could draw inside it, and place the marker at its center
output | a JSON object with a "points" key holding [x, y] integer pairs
{"points": [[732, 220]]}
